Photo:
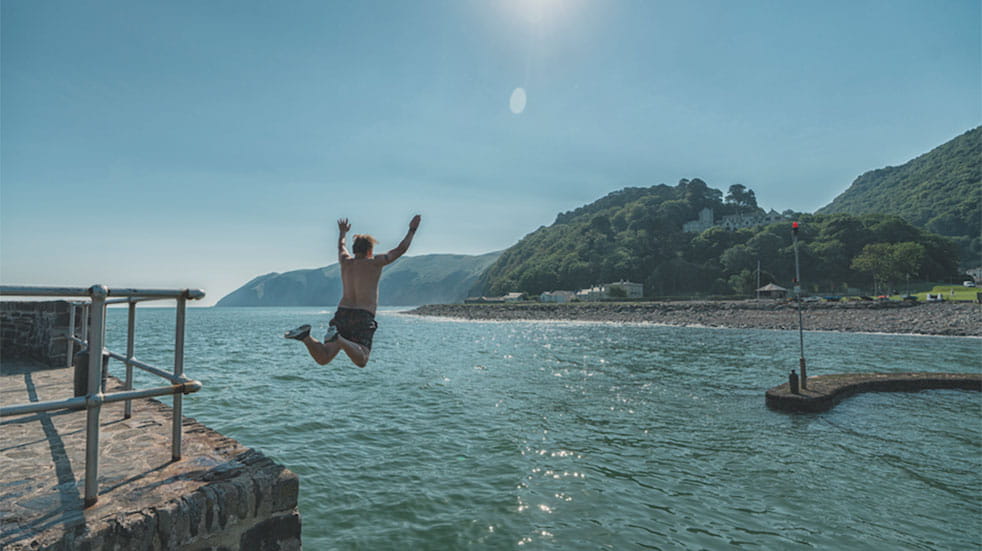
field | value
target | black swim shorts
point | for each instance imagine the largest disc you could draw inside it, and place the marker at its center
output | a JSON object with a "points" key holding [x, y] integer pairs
{"points": [[356, 325]]}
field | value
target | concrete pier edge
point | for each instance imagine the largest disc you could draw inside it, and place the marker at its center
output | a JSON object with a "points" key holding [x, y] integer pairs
{"points": [[825, 391]]}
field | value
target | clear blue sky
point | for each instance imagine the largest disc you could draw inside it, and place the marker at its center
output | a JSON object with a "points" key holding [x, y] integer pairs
{"points": [[199, 144]]}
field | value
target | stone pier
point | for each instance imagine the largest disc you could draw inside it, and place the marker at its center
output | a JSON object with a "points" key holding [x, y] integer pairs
{"points": [[825, 391], [220, 495]]}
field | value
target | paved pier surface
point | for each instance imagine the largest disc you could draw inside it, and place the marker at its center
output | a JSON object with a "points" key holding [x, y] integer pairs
{"points": [[219, 490], [824, 391]]}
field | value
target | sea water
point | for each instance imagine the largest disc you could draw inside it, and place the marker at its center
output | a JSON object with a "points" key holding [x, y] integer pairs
{"points": [[568, 435]]}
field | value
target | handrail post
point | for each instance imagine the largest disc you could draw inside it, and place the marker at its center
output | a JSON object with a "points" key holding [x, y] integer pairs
{"points": [[178, 370], [71, 333], [130, 333], [96, 344], [86, 308]]}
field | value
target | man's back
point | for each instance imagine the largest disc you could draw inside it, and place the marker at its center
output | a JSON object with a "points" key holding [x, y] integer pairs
{"points": [[360, 273], [359, 278]]}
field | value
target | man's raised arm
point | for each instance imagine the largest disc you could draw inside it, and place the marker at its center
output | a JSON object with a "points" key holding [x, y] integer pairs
{"points": [[343, 227], [403, 246]]}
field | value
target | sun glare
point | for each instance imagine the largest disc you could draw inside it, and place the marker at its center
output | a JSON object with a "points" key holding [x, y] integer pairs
{"points": [[537, 11]]}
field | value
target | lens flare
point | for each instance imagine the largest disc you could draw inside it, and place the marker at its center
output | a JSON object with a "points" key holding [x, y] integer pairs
{"points": [[517, 101]]}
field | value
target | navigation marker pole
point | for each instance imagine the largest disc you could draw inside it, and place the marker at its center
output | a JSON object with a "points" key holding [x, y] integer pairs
{"points": [[797, 293]]}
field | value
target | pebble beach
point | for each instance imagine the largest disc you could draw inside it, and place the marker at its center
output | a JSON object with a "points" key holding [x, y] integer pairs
{"points": [[947, 318]]}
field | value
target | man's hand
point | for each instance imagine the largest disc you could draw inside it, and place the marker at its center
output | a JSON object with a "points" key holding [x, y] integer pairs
{"points": [[343, 225], [414, 223]]}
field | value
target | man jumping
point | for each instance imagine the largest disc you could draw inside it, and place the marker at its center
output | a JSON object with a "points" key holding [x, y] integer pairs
{"points": [[354, 322]]}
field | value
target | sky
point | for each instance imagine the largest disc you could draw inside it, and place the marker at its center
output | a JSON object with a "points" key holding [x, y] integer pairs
{"points": [[200, 144]]}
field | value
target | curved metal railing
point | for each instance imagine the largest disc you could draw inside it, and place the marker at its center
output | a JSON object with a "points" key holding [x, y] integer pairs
{"points": [[93, 337]]}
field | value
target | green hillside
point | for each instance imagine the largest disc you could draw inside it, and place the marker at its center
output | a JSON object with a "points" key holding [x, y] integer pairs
{"points": [[636, 234], [410, 281], [625, 235], [940, 191]]}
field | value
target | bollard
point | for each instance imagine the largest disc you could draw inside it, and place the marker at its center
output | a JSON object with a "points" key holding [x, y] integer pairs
{"points": [[793, 382], [81, 372], [81, 380]]}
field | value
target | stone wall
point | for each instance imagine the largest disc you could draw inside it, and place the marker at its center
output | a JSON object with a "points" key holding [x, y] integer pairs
{"points": [[36, 331], [251, 504]]}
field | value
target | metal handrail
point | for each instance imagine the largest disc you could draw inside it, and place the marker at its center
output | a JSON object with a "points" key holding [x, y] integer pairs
{"points": [[30, 291], [93, 336]]}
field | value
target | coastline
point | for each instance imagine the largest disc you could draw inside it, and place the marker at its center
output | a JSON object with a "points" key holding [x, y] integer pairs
{"points": [[952, 319]]}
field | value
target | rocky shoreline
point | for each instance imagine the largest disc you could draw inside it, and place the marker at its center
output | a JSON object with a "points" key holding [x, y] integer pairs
{"points": [[947, 318]]}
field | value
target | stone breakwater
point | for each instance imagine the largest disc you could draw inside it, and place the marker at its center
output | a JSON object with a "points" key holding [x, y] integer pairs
{"points": [[948, 319], [825, 391]]}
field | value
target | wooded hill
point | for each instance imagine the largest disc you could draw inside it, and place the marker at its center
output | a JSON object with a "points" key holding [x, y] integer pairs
{"points": [[636, 234], [940, 191]]}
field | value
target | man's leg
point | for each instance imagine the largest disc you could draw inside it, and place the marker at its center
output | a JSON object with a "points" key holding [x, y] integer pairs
{"points": [[357, 352], [322, 353]]}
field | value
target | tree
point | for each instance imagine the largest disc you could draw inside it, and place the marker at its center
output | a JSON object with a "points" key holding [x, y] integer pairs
{"points": [[738, 258], [600, 223], [616, 291], [831, 256], [907, 258], [889, 262], [699, 195], [743, 283], [710, 244], [742, 197], [874, 260]]}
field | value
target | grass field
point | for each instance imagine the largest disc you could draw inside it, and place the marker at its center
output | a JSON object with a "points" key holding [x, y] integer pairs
{"points": [[954, 293], [957, 293]]}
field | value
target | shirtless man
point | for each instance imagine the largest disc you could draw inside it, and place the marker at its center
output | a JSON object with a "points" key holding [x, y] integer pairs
{"points": [[354, 323]]}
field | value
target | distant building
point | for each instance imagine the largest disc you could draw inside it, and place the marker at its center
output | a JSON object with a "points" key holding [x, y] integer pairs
{"points": [[483, 300], [731, 221], [557, 296], [738, 221], [976, 274], [772, 291], [704, 222], [510, 297], [631, 290], [600, 292], [591, 293]]}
